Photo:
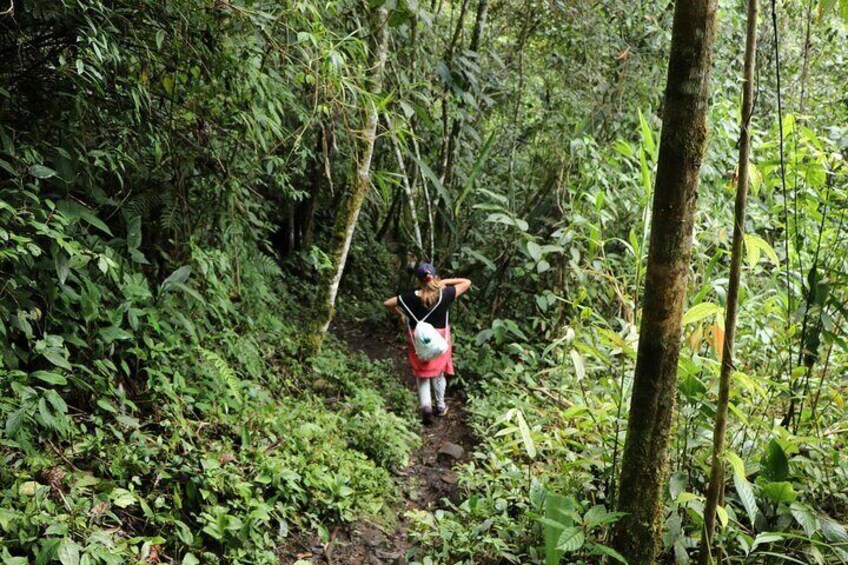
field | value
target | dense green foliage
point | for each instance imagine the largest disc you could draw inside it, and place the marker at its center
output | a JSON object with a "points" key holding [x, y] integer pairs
{"points": [[169, 177]]}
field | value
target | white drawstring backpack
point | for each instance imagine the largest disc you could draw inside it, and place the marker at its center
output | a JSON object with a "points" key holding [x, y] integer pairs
{"points": [[426, 339]]}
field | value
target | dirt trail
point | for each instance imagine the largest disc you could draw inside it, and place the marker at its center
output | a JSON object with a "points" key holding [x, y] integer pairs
{"points": [[424, 484]]}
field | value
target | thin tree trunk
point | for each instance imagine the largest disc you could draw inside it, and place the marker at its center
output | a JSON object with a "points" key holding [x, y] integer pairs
{"points": [[321, 168], [805, 66], [390, 215], [447, 131], [410, 197], [431, 227], [716, 486], [455, 131], [351, 204], [637, 535]]}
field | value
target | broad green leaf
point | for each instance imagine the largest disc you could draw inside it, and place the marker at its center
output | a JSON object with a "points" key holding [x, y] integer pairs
{"points": [[571, 539], [685, 497], [736, 464], [833, 531], [755, 179], [480, 257], [14, 422], [623, 147], [47, 417], [29, 488], [75, 211], [788, 124], [114, 333], [435, 181], [63, 268], [177, 277], [128, 421], [780, 492], [765, 538], [647, 135], [555, 522], [754, 245], [594, 516], [529, 445], [579, 366], [50, 377], [475, 172], [806, 517], [69, 552], [122, 498], [107, 406], [41, 172], [700, 311], [6, 518], [774, 464], [56, 357], [134, 233], [501, 218], [601, 549], [746, 495], [722, 516], [534, 250]]}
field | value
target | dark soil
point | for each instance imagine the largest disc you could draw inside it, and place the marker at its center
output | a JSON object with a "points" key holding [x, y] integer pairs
{"points": [[426, 484]]}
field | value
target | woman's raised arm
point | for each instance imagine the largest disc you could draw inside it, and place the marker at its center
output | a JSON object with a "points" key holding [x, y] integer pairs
{"points": [[461, 285]]}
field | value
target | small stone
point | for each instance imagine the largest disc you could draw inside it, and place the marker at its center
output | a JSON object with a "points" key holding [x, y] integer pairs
{"points": [[374, 538], [320, 384], [449, 478], [450, 451]]}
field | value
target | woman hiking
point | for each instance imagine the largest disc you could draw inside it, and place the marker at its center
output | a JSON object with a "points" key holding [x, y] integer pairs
{"points": [[429, 304]]}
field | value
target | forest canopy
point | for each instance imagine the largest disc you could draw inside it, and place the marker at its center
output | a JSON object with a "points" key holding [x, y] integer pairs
{"points": [[200, 199]]}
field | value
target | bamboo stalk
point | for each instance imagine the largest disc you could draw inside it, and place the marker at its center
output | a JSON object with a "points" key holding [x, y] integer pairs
{"points": [[716, 487]]}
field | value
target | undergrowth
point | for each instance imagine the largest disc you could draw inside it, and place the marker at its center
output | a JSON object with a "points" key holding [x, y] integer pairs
{"points": [[173, 421]]}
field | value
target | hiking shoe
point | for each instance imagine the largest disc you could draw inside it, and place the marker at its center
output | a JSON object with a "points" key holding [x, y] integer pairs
{"points": [[427, 415], [442, 411]]}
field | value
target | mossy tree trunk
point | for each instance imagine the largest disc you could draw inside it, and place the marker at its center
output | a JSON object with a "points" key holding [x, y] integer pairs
{"points": [[716, 486], [351, 203], [637, 536]]}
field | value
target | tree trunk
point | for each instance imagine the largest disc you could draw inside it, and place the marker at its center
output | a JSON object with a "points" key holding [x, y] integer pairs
{"points": [[716, 486], [390, 215], [407, 186], [320, 169], [645, 462], [351, 203], [454, 135]]}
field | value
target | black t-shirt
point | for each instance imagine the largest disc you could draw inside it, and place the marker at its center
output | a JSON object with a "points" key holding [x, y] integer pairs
{"points": [[413, 305]]}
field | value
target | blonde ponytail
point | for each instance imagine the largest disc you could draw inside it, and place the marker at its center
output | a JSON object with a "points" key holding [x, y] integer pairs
{"points": [[430, 291]]}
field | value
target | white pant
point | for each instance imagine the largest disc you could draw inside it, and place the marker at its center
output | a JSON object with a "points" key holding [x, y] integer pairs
{"points": [[439, 384]]}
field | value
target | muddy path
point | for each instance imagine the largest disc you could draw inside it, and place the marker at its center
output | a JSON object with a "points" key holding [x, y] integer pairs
{"points": [[425, 484]]}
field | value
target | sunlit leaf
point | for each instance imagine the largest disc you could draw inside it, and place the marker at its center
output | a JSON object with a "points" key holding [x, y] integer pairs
{"points": [[701, 311]]}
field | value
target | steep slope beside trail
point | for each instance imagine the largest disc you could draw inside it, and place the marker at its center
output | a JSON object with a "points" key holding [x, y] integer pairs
{"points": [[423, 485]]}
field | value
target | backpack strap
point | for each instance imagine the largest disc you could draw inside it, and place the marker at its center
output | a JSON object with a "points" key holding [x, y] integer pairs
{"points": [[408, 311]]}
